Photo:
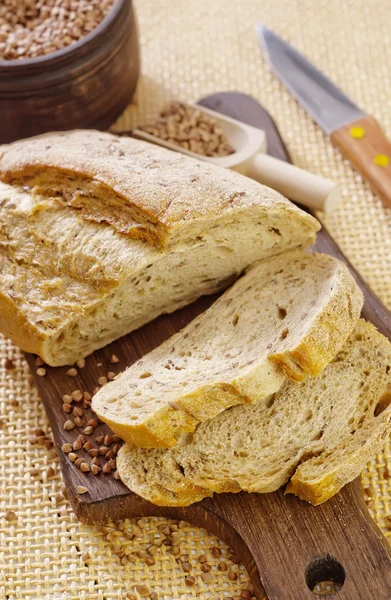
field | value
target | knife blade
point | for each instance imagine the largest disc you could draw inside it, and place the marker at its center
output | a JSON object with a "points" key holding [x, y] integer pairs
{"points": [[357, 135]]}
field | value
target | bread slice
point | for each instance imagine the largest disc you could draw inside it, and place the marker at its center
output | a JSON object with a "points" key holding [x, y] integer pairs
{"points": [[287, 317], [318, 434], [156, 475], [78, 270]]}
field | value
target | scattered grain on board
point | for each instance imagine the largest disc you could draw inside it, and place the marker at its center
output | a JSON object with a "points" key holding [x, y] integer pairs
{"points": [[95, 469], [108, 440], [77, 444], [106, 469]]}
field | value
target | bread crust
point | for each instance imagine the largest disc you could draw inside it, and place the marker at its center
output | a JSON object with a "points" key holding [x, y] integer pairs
{"points": [[183, 495], [318, 491], [14, 325], [143, 190], [164, 427], [318, 348]]}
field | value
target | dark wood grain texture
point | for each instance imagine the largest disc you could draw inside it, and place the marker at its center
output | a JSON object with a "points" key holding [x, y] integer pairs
{"points": [[86, 85], [364, 143], [277, 537]]}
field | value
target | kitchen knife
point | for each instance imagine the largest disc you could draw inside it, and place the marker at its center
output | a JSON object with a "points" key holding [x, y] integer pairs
{"points": [[357, 135]]}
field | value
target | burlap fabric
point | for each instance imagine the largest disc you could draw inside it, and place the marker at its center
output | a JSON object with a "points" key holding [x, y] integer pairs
{"points": [[191, 48]]}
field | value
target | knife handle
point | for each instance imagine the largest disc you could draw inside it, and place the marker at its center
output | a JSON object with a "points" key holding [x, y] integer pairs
{"points": [[365, 145]]}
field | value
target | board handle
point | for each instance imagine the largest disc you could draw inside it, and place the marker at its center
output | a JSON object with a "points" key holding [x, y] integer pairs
{"points": [[289, 547], [364, 143], [295, 546]]}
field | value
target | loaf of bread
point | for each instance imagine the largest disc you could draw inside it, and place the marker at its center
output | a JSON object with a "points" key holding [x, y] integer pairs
{"points": [[287, 317], [318, 435], [100, 234]]}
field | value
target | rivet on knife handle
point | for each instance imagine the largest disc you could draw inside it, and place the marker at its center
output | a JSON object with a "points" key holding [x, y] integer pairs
{"points": [[365, 145]]}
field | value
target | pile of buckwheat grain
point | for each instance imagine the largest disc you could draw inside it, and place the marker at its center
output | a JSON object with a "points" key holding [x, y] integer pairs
{"points": [[30, 28], [191, 129]]}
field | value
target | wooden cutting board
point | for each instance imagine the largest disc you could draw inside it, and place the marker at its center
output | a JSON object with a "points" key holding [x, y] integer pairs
{"points": [[286, 545]]}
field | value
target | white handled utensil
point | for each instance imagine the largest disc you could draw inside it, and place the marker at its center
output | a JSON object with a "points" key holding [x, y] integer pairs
{"points": [[250, 159]]}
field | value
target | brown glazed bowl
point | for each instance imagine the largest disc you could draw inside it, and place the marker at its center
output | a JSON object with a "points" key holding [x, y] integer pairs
{"points": [[85, 85]]}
